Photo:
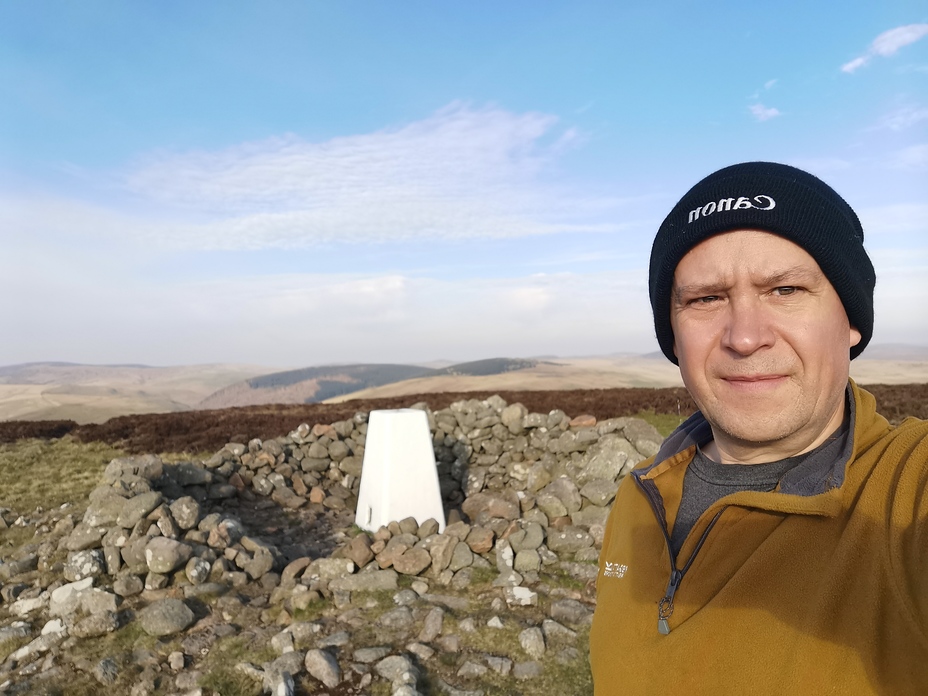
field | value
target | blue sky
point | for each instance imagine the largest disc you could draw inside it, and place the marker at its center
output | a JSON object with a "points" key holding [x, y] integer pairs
{"points": [[298, 183]]}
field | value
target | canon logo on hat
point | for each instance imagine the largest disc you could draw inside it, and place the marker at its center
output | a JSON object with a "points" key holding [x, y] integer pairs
{"points": [[761, 202]]}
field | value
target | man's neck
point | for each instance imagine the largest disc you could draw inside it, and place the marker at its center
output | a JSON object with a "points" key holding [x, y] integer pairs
{"points": [[727, 450]]}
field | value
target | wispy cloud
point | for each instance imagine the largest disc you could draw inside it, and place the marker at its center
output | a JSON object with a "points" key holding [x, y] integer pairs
{"points": [[763, 113], [887, 44], [903, 118], [914, 157], [901, 218], [461, 173]]}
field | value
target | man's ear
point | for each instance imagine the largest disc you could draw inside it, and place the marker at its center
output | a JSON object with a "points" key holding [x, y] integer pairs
{"points": [[855, 337]]}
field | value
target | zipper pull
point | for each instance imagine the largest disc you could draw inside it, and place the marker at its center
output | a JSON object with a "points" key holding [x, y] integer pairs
{"points": [[665, 606]]}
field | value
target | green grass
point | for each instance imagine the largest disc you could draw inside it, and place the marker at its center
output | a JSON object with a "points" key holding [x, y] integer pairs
{"points": [[665, 423], [220, 675], [48, 473]]}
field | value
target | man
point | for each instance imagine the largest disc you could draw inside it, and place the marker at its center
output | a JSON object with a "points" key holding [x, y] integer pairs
{"points": [[778, 542]]}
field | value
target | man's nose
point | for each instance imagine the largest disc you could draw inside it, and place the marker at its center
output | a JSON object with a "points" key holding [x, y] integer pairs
{"points": [[748, 326]]}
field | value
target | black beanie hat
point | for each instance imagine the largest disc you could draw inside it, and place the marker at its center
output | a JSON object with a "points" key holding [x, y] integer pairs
{"points": [[773, 198]]}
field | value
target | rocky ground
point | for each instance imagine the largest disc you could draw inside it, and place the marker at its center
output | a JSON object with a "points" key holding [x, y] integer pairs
{"points": [[242, 572]]}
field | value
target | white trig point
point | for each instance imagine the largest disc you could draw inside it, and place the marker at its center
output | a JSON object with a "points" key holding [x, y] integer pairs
{"points": [[399, 478]]}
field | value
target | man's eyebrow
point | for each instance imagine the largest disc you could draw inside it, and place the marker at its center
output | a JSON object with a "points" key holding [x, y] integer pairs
{"points": [[794, 275]]}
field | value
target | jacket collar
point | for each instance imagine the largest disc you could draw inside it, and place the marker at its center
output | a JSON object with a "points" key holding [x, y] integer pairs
{"points": [[822, 471]]}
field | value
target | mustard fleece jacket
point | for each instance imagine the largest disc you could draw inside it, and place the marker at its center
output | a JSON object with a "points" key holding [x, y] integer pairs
{"points": [[822, 593]]}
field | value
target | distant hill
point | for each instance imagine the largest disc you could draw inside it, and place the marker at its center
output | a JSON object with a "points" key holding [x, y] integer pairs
{"points": [[94, 393], [895, 351], [317, 384]]}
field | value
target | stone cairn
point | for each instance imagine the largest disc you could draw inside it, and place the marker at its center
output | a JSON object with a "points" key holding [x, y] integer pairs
{"points": [[168, 545]]}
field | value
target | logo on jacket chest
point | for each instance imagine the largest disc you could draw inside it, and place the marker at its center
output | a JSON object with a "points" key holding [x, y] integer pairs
{"points": [[615, 570]]}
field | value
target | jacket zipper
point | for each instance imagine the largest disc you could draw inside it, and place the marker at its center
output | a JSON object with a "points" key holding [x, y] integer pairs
{"points": [[665, 606]]}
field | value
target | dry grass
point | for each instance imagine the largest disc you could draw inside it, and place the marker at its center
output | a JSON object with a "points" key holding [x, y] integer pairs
{"points": [[48, 473]]}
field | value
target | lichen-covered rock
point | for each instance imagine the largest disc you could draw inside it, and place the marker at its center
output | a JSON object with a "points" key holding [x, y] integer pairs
{"points": [[84, 564]]}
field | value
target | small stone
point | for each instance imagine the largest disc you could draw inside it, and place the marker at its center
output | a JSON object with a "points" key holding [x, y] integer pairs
{"points": [[321, 665], [532, 641]]}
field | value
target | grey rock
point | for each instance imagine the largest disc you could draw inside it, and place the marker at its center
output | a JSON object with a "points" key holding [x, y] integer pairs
{"points": [[513, 418], [551, 505], [565, 490], [554, 631], [369, 655], [335, 640], [599, 491], [609, 458], [532, 641], [432, 626], [400, 618], [186, 512], [570, 612], [106, 671], [328, 568], [83, 536], [133, 555], [568, 539], [105, 511], [189, 474], [147, 466], [197, 570], [164, 555], [135, 509], [395, 668], [89, 563], [589, 516], [461, 557], [321, 665], [165, 617], [95, 625], [99, 601], [526, 561], [500, 665], [66, 599], [644, 436], [471, 670], [128, 585], [412, 561], [524, 671]]}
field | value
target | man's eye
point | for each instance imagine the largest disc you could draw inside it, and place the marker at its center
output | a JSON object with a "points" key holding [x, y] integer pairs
{"points": [[786, 290], [708, 299]]}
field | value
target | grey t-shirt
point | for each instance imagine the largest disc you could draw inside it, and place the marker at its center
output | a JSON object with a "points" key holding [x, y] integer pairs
{"points": [[707, 481]]}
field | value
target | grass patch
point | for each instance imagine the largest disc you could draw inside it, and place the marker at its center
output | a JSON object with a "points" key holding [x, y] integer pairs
{"points": [[227, 681], [557, 577], [48, 473], [665, 423], [220, 675], [575, 672], [11, 645], [482, 578]]}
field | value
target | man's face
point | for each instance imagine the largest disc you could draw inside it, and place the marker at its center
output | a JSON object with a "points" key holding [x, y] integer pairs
{"points": [[763, 344]]}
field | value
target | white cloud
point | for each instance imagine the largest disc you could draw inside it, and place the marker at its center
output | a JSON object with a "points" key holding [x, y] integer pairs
{"points": [[903, 118], [902, 218], [462, 173], [763, 113], [887, 44], [770, 83], [914, 157], [317, 318]]}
